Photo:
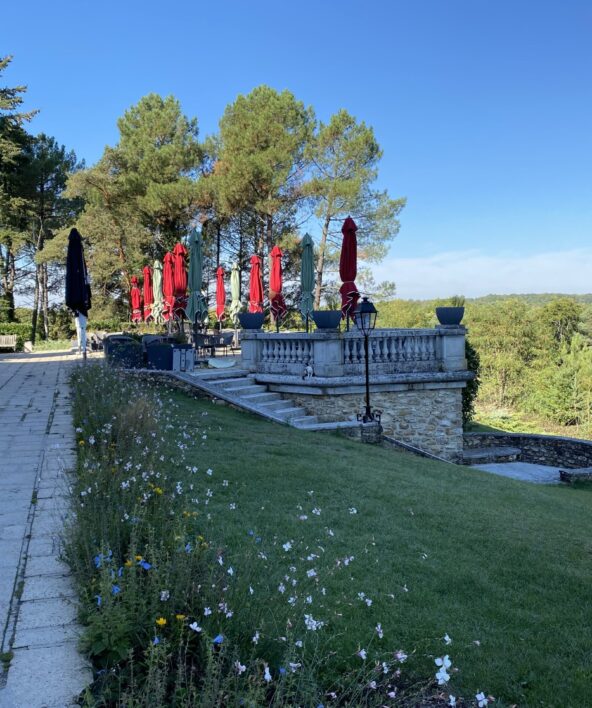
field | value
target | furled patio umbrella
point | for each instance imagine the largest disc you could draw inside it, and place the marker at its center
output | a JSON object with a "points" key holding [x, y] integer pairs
{"points": [[168, 285], [277, 304], [307, 278], [148, 294], [77, 287], [235, 302], [180, 279], [255, 286], [197, 308], [348, 268], [136, 300], [220, 294], [157, 304]]}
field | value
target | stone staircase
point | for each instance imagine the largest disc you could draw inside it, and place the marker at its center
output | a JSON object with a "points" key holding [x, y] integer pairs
{"points": [[239, 387]]}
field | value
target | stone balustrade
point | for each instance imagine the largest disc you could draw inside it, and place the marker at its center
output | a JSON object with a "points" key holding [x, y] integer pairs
{"points": [[337, 354]]}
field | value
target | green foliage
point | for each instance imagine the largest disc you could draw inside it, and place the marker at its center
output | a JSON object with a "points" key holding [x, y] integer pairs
{"points": [[21, 330], [469, 393], [344, 155]]}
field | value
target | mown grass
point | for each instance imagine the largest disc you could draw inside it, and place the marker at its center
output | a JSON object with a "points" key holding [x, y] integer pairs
{"points": [[500, 566]]}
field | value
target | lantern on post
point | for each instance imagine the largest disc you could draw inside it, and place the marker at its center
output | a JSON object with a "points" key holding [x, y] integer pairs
{"points": [[365, 320]]}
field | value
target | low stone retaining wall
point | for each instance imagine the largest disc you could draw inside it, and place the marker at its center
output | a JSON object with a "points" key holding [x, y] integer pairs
{"points": [[430, 419], [539, 449]]}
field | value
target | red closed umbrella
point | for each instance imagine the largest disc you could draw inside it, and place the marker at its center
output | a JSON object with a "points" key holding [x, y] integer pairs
{"points": [[136, 300], [277, 304], [348, 268], [168, 285], [180, 279], [220, 293], [255, 286], [148, 294]]}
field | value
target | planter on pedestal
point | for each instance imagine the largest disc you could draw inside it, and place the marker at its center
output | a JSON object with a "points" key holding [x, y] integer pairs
{"points": [[450, 316], [251, 320], [327, 319]]}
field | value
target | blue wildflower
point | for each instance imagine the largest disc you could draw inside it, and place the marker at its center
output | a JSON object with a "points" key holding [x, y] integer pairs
{"points": [[98, 560], [218, 639], [282, 671], [250, 532], [144, 564], [99, 600], [156, 641], [188, 548], [115, 589], [258, 539], [120, 572]]}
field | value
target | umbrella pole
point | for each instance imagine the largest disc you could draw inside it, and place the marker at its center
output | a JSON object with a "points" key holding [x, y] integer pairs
{"points": [[307, 323]]}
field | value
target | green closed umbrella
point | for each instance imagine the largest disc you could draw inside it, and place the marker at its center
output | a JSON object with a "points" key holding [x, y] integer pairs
{"points": [[197, 308], [158, 304], [307, 278], [235, 303]]}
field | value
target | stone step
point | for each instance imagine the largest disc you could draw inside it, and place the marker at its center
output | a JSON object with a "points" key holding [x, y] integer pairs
{"points": [[333, 425], [583, 474], [262, 397], [288, 413], [272, 405], [216, 375], [245, 389], [304, 421], [485, 455]]}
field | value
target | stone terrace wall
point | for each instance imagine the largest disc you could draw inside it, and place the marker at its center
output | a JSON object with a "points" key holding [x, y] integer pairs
{"points": [[570, 453], [430, 419]]}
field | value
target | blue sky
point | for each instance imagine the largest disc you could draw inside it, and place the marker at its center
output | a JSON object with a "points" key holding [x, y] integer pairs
{"points": [[482, 108]]}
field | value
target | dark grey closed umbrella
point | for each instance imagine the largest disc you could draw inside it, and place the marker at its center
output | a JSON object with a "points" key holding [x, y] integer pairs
{"points": [[77, 283]]}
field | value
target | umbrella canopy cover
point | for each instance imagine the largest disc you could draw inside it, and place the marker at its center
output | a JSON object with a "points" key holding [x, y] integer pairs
{"points": [[168, 285], [148, 294], [220, 293], [77, 283], [276, 299], [197, 308], [136, 300], [180, 279], [307, 277], [255, 286], [348, 268], [158, 303], [235, 303]]}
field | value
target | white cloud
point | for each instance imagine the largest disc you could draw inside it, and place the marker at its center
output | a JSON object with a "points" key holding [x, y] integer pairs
{"points": [[474, 273]]}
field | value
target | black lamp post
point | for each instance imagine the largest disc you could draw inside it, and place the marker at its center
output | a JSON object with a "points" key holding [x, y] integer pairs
{"points": [[365, 320]]}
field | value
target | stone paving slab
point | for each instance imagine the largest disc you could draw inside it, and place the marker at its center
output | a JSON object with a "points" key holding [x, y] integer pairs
{"points": [[38, 606], [524, 471]]}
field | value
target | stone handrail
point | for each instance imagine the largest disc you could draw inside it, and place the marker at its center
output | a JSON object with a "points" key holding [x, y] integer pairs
{"points": [[342, 353]]}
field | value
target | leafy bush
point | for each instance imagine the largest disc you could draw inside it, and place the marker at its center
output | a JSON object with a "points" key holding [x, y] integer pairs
{"points": [[22, 331], [471, 390]]}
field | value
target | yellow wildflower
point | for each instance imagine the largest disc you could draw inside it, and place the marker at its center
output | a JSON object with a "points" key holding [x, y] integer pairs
{"points": [[128, 564], [138, 558], [158, 490], [161, 621], [81, 442], [181, 617]]}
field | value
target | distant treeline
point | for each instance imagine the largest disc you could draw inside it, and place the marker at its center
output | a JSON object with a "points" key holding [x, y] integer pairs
{"points": [[535, 351]]}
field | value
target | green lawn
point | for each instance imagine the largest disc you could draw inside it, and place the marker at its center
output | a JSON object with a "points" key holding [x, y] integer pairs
{"points": [[502, 566]]}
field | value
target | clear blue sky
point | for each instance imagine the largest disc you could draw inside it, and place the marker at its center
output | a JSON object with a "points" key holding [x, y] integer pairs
{"points": [[483, 109]]}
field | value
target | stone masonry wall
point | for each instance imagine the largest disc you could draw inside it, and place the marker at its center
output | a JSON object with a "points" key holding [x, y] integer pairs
{"points": [[430, 419], [570, 453]]}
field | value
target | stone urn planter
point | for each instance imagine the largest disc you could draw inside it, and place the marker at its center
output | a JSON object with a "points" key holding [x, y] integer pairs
{"points": [[251, 320], [450, 316], [327, 319]]}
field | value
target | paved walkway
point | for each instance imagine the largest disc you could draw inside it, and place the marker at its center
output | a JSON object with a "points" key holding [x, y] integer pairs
{"points": [[37, 605], [524, 471]]}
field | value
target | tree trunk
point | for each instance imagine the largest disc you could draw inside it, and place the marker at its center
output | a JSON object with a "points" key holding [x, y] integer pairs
{"points": [[35, 306], [8, 278], [321, 262], [45, 301]]}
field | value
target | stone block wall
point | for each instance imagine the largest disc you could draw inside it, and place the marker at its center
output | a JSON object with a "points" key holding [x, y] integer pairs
{"points": [[430, 419], [556, 451]]}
